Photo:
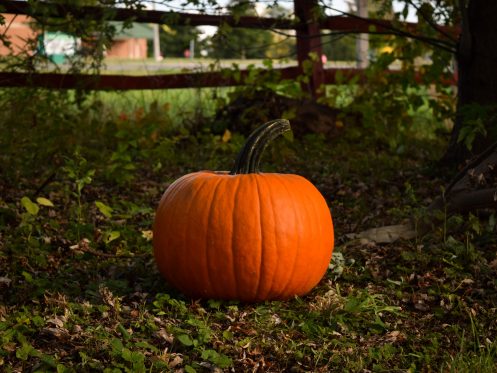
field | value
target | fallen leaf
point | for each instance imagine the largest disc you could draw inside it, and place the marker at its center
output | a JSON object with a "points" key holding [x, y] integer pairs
{"points": [[59, 333], [148, 235], [5, 281], [176, 361], [387, 234], [57, 321], [395, 336], [162, 333]]}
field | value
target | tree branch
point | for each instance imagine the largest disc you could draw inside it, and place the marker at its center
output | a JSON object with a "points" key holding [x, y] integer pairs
{"points": [[430, 22], [447, 46], [431, 41]]}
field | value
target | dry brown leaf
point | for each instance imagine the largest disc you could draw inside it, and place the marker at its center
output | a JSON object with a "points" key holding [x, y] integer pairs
{"points": [[176, 361], [5, 281], [59, 333], [387, 234], [58, 321], [162, 333]]}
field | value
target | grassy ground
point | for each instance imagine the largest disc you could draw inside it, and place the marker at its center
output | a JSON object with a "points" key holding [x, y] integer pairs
{"points": [[149, 66], [177, 65], [79, 290]]}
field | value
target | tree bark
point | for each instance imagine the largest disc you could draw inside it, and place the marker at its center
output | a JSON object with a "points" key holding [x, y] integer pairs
{"points": [[477, 72]]}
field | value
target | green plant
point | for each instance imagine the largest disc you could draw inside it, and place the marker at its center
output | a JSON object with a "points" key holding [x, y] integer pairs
{"points": [[80, 174], [470, 131], [476, 120]]}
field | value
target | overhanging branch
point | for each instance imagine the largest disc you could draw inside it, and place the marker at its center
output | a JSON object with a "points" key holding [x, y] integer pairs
{"points": [[429, 21], [386, 28]]}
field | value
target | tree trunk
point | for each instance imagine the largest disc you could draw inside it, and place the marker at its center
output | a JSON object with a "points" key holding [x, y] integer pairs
{"points": [[477, 71]]}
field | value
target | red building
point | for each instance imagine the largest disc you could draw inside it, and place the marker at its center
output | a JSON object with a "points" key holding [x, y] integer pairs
{"points": [[18, 32], [130, 43]]}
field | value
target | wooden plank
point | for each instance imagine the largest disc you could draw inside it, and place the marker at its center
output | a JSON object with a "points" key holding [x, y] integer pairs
{"points": [[170, 81], [120, 82]]}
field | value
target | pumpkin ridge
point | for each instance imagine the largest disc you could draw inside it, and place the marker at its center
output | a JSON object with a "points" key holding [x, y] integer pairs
{"points": [[207, 250], [311, 203], [321, 231], [188, 209], [233, 221], [283, 289], [261, 245], [268, 289]]}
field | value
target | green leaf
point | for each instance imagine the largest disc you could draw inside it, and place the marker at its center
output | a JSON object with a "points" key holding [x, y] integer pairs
{"points": [[137, 358], [185, 339], [27, 276], [208, 354], [23, 352], [228, 335], [190, 369], [221, 360], [44, 202], [144, 344], [31, 207], [50, 361], [214, 303], [123, 331], [38, 321], [111, 236], [117, 346], [104, 209], [26, 351], [126, 354]]}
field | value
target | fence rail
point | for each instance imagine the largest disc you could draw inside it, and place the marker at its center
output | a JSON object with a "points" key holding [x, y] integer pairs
{"points": [[168, 81], [308, 31]]}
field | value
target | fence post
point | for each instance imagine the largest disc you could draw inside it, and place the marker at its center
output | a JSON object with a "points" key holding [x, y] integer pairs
{"points": [[308, 41]]}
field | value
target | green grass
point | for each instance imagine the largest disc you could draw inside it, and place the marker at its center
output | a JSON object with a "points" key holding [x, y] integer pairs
{"points": [[79, 290], [183, 103]]}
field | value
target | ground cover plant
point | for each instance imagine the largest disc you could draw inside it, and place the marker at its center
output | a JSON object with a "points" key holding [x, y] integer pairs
{"points": [[79, 289]]}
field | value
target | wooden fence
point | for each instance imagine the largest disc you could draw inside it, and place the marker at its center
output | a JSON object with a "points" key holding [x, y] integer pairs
{"points": [[308, 30]]}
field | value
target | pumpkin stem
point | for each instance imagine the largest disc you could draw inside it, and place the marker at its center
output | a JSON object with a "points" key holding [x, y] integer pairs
{"points": [[247, 161]]}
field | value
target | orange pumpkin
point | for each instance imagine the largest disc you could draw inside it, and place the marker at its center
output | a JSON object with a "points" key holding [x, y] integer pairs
{"points": [[243, 235]]}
